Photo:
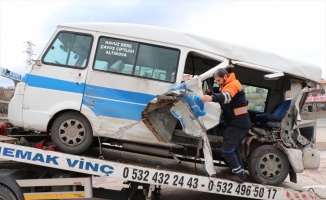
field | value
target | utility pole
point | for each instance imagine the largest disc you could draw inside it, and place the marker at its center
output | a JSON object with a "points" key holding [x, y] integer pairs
{"points": [[29, 52]]}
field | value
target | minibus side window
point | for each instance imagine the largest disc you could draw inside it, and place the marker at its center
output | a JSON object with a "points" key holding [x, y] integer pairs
{"points": [[69, 50], [157, 62], [138, 59], [115, 55]]}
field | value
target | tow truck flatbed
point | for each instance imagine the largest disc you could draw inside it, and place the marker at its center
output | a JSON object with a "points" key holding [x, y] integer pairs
{"points": [[145, 170]]}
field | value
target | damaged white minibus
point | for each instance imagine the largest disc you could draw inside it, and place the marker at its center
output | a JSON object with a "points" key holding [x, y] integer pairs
{"points": [[123, 83]]}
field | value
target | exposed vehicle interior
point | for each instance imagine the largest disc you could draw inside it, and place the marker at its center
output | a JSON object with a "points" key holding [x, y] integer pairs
{"points": [[265, 98], [263, 95]]}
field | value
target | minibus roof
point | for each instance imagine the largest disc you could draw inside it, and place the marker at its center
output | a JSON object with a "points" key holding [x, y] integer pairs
{"points": [[251, 56]]}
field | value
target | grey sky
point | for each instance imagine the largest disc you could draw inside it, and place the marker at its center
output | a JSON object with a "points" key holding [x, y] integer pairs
{"points": [[291, 28]]}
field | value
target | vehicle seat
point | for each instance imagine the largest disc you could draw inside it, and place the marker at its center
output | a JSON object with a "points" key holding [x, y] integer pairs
{"points": [[147, 74], [273, 120], [117, 66]]}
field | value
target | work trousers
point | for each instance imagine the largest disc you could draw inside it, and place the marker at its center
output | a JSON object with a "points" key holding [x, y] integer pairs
{"points": [[231, 149]]}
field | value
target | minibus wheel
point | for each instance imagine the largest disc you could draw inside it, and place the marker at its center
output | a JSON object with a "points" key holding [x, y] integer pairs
{"points": [[269, 165], [72, 133]]}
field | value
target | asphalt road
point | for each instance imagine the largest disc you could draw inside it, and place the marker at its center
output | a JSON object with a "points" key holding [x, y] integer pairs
{"points": [[321, 134], [321, 123]]}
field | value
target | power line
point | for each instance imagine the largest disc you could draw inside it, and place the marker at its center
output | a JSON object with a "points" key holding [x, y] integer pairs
{"points": [[29, 53]]}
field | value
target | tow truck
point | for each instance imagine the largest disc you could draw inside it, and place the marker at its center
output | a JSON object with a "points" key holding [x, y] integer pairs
{"points": [[31, 167], [41, 173]]}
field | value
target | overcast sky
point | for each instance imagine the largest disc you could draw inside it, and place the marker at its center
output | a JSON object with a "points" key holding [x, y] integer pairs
{"points": [[295, 29]]}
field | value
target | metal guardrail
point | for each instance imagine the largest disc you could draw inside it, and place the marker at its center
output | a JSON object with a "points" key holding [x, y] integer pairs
{"points": [[3, 117], [4, 72], [313, 115]]}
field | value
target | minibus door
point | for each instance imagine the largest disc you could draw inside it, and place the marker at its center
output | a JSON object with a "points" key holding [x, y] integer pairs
{"points": [[57, 82]]}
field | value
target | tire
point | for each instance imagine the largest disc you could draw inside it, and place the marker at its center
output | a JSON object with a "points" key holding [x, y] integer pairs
{"points": [[139, 195], [72, 133], [268, 165], [6, 193]]}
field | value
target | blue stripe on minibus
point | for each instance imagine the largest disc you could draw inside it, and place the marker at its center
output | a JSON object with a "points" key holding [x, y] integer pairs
{"points": [[102, 101], [115, 94], [53, 84], [116, 109]]}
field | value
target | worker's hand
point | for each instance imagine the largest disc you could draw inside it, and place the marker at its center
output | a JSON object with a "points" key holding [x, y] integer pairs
{"points": [[206, 98]]}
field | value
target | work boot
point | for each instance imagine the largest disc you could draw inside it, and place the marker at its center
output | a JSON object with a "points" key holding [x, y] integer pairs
{"points": [[235, 177]]}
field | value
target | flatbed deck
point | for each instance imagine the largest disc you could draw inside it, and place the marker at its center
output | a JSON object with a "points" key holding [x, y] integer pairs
{"points": [[149, 170]]}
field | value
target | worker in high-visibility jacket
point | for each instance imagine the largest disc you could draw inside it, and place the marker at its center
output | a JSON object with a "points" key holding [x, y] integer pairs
{"points": [[235, 112]]}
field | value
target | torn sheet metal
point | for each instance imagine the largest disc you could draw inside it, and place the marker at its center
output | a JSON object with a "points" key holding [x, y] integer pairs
{"points": [[158, 118], [290, 132], [193, 127], [208, 114], [295, 157], [183, 104], [190, 124]]}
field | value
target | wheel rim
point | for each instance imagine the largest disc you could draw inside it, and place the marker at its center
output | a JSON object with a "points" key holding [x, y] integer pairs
{"points": [[270, 166], [72, 132]]}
